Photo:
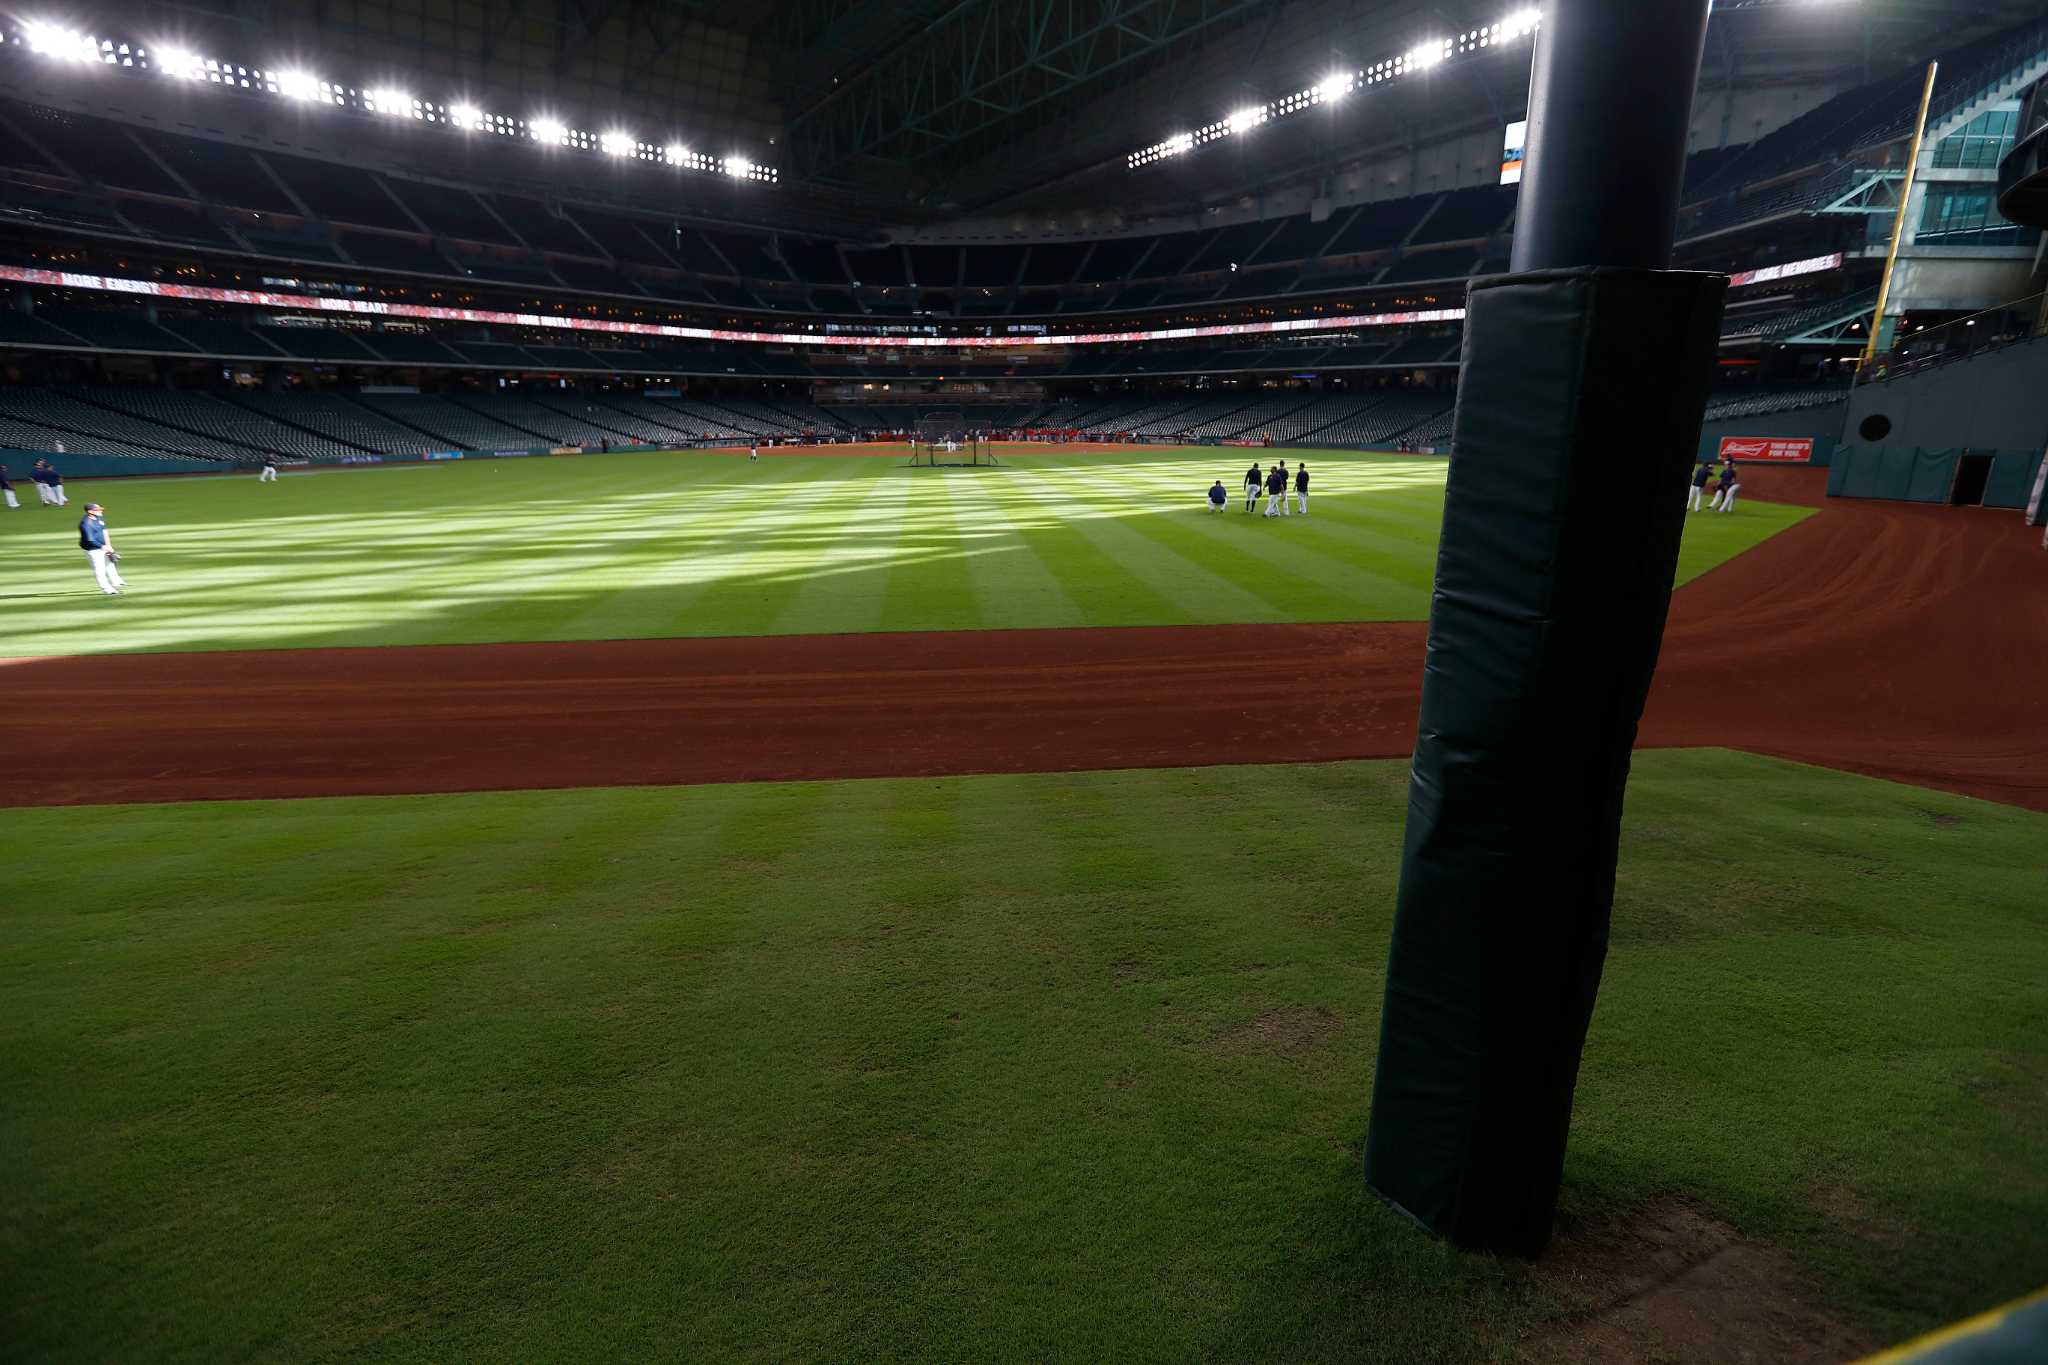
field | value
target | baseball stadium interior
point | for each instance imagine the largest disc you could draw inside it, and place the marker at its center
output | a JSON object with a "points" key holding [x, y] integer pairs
{"points": [[876, 837]]}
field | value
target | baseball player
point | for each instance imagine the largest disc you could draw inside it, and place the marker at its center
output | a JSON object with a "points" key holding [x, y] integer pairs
{"points": [[1276, 490], [39, 475], [269, 474], [99, 550], [1724, 491], [1301, 487], [55, 481], [753, 452], [1218, 499], [1700, 472], [7, 488], [1254, 480]]}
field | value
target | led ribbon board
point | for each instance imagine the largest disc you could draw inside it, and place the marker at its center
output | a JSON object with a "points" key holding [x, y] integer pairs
{"points": [[198, 293]]}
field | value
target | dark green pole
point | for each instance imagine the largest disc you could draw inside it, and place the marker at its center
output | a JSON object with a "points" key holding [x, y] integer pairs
{"points": [[1584, 380]]}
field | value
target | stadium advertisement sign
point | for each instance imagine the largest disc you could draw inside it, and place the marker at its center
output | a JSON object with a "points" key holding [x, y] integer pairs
{"points": [[1812, 265], [1512, 147], [70, 279], [362, 459], [442, 455], [1790, 449]]}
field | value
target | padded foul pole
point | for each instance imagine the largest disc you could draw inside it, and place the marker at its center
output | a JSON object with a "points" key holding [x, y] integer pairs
{"points": [[1584, 381]]}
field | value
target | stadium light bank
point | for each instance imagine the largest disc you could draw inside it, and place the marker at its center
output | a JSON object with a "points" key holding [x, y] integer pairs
{"points": [[55, 42], [1336, 85]]}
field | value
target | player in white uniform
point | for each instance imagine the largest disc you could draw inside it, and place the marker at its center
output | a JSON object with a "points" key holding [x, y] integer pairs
{"points": [[269, 474], [99, 550]]}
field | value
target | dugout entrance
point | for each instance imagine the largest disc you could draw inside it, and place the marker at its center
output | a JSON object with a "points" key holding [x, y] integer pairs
{"points": [[944, 440]]}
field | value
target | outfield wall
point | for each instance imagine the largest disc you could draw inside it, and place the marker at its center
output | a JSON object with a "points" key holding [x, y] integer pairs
{"points": [[1918, 474], [1822, 425], [1989, 401]]}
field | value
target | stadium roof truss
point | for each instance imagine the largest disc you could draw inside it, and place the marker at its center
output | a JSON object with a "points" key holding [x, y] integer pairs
{"points": [[1841, 326], [1871, 192], [979, 72]]}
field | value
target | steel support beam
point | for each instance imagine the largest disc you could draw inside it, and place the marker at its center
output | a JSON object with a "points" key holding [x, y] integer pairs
{"points": [[981, 64]]}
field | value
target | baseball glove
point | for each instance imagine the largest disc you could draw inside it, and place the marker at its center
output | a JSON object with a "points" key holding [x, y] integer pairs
{"points": [[113, 556]]}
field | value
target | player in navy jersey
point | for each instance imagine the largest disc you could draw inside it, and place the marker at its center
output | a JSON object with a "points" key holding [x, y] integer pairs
{"points": [[1700, 474], [1724, 491]]}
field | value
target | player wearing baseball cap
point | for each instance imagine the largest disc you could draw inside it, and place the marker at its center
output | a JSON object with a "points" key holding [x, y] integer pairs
{"points": [[92, 538]]}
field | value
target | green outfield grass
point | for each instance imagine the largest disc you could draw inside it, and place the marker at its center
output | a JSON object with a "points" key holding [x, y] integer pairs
{"points": [[634, 546], [998, 1068]]}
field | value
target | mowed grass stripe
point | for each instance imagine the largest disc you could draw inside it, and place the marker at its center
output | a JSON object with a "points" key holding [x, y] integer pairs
{"points": [[1091, 577], [845, 569], [605, 593], [1197, 592], [933, 586], [1294, 578], [1299, 571], [719, 522], [740, 591], [638, 545], [1003, 568]]}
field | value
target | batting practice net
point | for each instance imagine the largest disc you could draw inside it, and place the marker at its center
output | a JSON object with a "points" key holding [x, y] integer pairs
{"points": [[944, 438]]}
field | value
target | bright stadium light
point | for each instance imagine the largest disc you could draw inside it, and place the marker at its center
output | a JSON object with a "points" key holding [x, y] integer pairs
{"points": [[180, 63], [1180, 144], [1337, 86], [60, 43]]}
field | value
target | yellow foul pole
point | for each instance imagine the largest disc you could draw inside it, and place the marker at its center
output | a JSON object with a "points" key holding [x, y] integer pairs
{"points": [[1891, 257]]}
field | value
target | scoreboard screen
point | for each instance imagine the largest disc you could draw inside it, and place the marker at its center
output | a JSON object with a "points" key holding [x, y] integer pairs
{"points": [[1511, 152]]}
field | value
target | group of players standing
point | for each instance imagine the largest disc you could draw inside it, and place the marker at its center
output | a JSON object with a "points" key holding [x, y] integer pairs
{"points": [[1274, 483], [49, 485]]}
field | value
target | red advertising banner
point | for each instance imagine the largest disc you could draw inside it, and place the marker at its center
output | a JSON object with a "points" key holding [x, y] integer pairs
{"points": [[1793, 449]]}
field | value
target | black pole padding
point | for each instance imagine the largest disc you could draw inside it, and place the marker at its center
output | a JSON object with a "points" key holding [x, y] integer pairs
{"points": [[1610, 105], [1578, 417]]}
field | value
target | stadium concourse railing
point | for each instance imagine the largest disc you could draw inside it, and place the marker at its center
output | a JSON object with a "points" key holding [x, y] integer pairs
{"points": [[1927, 348], [1973, 475]]}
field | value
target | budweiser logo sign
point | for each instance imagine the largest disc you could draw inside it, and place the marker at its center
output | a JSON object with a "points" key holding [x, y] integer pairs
{"points": [[1796, 449]]}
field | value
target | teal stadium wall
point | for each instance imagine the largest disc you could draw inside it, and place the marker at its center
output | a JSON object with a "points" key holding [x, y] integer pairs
{"points": [[1822, 425], [1917, 474], [77, 466]]}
